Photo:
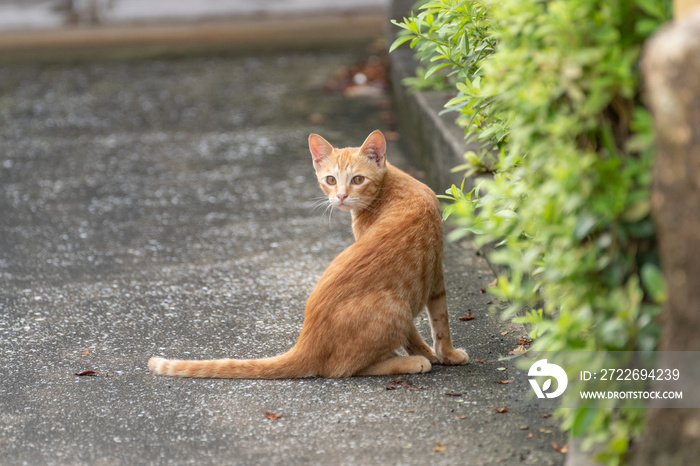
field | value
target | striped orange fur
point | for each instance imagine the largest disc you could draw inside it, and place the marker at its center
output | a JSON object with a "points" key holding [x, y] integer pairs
{"points": [[361, 312]]}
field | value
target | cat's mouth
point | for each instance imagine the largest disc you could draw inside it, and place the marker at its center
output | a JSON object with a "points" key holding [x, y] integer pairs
{"points": [[342, 204]]}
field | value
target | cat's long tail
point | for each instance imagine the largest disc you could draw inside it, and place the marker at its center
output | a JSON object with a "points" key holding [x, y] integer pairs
{"points": [[285, 366]]}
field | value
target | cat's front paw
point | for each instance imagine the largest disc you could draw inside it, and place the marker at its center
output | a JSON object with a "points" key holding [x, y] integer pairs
{"points": [[454, 357]]}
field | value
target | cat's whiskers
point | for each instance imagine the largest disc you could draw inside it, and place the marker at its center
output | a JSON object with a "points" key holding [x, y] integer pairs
{"points": [[329, 211], [319, 203], [322, 203]]}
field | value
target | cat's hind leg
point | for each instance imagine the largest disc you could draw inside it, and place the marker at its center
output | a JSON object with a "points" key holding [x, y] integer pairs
{"points": [[416, 345], [398, 365]]}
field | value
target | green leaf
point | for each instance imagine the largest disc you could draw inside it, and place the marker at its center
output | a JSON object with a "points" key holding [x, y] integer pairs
{"points": [[447, 211], [435, 68], [584, 225], [655, 8], [506, 214], [399, 41], [464, 87], [637, 211], [464, 42], [654, 282]]}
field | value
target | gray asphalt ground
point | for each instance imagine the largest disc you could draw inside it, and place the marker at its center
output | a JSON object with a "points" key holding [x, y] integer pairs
{"points": [[168, 208]]}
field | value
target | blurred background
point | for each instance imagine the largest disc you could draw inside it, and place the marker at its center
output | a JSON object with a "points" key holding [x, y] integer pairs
{"points": [[60, 29], [33, 14]]}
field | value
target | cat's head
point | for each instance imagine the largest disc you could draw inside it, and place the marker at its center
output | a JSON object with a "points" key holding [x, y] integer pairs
{"points": [[350, 177]]}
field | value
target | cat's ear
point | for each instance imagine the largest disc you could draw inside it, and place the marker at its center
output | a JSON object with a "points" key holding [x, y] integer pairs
{"points": [[374, 148], [320, 148]]}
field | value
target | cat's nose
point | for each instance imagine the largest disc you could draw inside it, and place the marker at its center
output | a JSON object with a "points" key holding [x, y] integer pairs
{"points": [[341, 197]]}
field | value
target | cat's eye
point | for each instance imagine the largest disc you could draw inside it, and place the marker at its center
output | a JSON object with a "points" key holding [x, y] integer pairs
{"points": [[359, 179], [330, 180]]}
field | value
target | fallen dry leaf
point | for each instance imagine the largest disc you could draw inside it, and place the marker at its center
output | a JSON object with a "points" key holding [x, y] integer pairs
{"points": [[524, 427], [494, 282], [479, 360], [529, 435], [524, 341], [453, 394], [272, 416], [501, 410], [519, 349], [91, 374], [469, 316], [84, 352], [393, 385], [402, 382], [545, 416], [505, 333], [545, 431], [482, 291], [505, 381], [440, 447], [561, 449], [464, 416]]}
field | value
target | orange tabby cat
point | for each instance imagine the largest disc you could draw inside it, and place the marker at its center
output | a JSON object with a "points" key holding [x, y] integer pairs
{"points": [[362, 309]]}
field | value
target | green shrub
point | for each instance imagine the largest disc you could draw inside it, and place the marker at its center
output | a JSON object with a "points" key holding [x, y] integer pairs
{"points": [[551, 90]]}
